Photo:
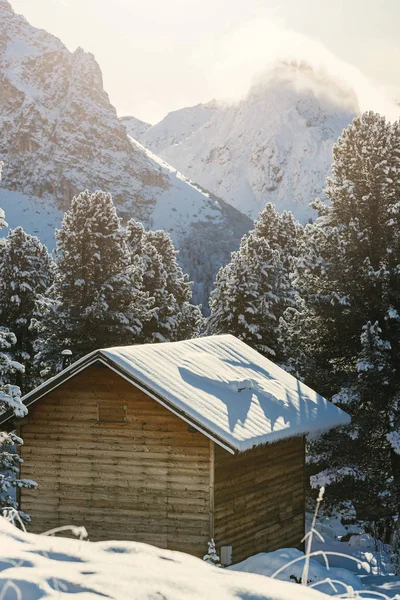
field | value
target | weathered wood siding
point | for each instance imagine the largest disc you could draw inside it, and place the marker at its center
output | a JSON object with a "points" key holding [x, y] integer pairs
{"points": [[146, 479], [259, 498]]}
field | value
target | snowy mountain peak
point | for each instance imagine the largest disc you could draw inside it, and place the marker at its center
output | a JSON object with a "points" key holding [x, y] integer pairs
{"points": [[275, 145], [61, 135], [299, 78], [7, 10], [87, 62], [177, 126]]}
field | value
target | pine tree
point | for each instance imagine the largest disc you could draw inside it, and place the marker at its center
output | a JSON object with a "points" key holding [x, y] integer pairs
{"points": [[26, 272], [281, 231], [305, 334], [135, 237], [345, 335], [162, 325], [10, 400], [96, 299], [173, 316], [253, 291]]}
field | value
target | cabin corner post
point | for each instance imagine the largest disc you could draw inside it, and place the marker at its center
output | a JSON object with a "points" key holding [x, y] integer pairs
{"points": [[18, 495], [212, 481]]}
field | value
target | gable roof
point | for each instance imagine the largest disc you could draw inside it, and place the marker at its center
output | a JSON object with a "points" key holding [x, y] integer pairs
{"points": [[220, 385]]}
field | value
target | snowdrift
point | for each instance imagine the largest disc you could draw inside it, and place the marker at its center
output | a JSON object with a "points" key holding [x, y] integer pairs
{"points": [[34, 567]]}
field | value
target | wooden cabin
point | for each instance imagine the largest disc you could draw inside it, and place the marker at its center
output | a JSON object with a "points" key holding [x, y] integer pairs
{"points": [[172, 445]]}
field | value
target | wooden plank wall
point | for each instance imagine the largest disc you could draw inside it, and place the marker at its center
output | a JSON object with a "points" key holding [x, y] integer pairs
{"points": [[146, 480], [259, 498]]}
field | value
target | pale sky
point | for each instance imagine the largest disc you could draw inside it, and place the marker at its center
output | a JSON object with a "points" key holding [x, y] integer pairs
{"points": [[160, 55]]}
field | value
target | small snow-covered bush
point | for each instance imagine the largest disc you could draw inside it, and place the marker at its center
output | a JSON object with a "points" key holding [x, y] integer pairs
{"points": [[212, 557]]}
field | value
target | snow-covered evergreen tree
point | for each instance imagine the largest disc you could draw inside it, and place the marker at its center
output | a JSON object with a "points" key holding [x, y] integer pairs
{"points": [[162, 325], [281, 231], [96, 299], [245, 297], [253, 291], [345, 335], [3, 222], [212, 557], [26, 272], [10, 401], [173, 315]]}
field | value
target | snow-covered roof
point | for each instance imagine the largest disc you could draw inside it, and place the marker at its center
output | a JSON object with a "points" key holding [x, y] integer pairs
{"points": [[219, 384]]}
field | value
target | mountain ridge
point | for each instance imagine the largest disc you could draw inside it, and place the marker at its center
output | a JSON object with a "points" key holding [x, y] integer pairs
{"points": [[61, 135], [134, 127], [274, 145]]}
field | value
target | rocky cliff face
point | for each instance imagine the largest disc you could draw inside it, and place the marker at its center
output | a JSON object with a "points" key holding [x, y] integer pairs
{"points": [[275, 145], [59, 132], [59, 135]]}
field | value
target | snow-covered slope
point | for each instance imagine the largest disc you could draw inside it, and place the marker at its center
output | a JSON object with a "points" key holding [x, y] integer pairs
{"points": [[177, 126], [273, 146], [60, 135], [134, 127], [38, 216], [36, 566]]}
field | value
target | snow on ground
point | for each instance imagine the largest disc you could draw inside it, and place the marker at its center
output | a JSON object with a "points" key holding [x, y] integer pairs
{"points": [[268, 563], [363, 568], [34, 567], [373, 566], [383, 584], [374, 569]]}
